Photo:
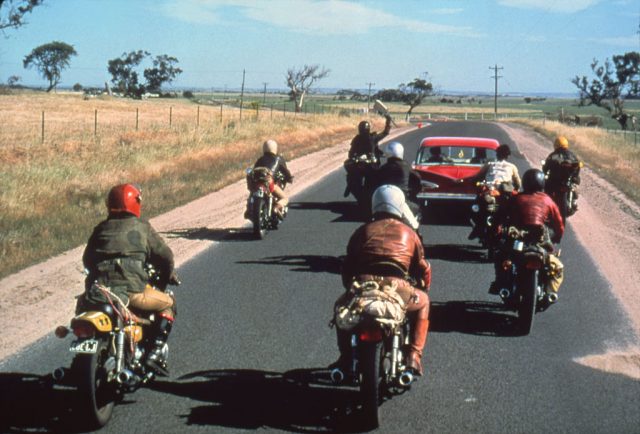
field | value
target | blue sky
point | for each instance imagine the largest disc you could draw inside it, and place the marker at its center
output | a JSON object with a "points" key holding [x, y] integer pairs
{"points": [[540, 44]]}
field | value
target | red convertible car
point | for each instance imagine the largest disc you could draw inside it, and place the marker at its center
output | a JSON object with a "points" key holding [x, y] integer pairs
{"points": [[441, 161]]}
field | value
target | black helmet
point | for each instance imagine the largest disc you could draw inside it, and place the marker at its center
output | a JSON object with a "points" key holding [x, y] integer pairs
{"points": [[503, 152], [532, 181], [364, 127]]}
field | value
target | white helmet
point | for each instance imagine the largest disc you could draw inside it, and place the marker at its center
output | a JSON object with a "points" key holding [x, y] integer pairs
{"points": [[395, 149], [270, 146], [388, 198]]}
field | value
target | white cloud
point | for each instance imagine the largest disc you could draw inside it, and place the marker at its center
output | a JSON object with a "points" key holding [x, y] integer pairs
{"points": [[326, 17], [562, 6], [447, 11]]}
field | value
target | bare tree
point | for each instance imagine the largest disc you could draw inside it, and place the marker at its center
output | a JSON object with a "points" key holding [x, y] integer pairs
{"points": [[414, 92], [614, 83], [300, 81], [12, 12]]}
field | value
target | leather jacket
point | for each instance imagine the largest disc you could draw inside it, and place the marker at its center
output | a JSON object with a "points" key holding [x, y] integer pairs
{"points": [[386, 247], [557, 173], [536, 209], [365, 144], [399, 173], [275, 163]]}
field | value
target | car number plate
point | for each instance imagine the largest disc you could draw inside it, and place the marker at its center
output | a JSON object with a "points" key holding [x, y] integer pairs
{"points": [[88, 346]]}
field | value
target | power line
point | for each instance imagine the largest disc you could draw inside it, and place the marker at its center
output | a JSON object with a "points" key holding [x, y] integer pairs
{"points": [[496, 77], [369, 96]]}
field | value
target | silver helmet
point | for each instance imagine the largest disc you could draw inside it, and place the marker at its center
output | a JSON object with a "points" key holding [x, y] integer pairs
{"points": [[388, 198]]}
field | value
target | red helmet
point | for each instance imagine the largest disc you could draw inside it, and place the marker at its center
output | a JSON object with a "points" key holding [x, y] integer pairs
{"points": [[125, 198]]}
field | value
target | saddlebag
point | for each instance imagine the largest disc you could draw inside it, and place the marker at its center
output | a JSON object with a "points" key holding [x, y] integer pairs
{"points": [[370, 299]]}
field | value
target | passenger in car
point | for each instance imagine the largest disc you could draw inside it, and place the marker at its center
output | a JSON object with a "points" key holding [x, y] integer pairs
{"points": [[436, 155], [480, 157]]}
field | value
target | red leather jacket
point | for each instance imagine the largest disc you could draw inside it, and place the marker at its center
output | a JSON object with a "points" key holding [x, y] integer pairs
{"points": [[537, 209], [385, 240]]}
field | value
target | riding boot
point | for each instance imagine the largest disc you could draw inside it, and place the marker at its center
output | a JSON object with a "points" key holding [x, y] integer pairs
{"points": [[344, 346], [157, 358], [417, 341]]}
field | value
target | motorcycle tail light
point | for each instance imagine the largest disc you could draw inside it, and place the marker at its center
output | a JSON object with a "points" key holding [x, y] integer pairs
{"points": [[533, 263], [506, 264], [83, 329], [371, 335]]}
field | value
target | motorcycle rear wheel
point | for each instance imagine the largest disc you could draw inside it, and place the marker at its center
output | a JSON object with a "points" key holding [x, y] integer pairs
{"points": [[527, 285], [259, 218], [370, 358], [96, 394]]}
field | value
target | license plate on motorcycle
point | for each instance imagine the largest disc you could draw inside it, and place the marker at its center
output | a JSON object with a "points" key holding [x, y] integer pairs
{"points": [[88, 346]]}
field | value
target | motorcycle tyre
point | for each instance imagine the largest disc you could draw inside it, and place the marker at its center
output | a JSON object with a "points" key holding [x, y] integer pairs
{"points": [[96, 396], [258, 218], [370, 359], [527, 285]]}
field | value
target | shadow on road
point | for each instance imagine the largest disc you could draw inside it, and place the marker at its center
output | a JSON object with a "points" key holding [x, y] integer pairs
{"points": [[206, 234], [456, 253], [303, 263], [348, 210], [472, 317], [302, 400], [31, 403]]}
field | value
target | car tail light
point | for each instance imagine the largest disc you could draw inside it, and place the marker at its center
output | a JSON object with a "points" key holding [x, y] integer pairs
{"points": [[506, 264], [371, 335]]}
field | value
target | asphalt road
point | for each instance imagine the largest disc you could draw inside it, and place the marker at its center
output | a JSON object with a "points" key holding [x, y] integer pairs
{"points": [[251, 340]]}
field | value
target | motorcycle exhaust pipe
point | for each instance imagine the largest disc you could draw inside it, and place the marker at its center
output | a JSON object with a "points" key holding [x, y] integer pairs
{"points": [[406, 378], [552, 297], [337, 376], [504, 293], [58, 374]]}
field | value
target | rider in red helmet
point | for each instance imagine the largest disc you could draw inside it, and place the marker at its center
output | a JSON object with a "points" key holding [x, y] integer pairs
{"points": [[115, 257]]}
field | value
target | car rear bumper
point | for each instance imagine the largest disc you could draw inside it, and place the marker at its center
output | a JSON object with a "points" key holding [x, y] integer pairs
{"points": [[447, 196]]}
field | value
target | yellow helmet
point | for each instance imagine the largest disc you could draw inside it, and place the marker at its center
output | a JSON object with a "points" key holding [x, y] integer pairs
{"points": [[561, 142]]}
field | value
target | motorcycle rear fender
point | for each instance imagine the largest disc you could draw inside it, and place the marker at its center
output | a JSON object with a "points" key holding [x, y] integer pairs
{"points": [[100, 321]]}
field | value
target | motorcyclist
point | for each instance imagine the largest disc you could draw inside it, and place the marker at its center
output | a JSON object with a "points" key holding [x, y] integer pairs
{"points": [[534, 210], [277, 166], [501, 173], [386, 249], [398, 172], [365, 143], [560, 165], [115, 257]]}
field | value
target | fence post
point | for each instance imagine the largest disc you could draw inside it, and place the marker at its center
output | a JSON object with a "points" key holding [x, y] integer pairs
{"points": [[284, 109], [42, 133], [198, 117], [136, 118], [170, 115], [95, 123], [220, 113]]}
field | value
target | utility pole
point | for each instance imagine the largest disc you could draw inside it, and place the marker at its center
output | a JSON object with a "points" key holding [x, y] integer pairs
{"points": [[496, 77], [242, 93], [369, 96], [264, 94]]}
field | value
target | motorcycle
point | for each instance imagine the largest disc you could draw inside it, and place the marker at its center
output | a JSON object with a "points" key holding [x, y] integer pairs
{"points": [[260, 209], [563, 192], [490, 198], [359, 178], [526, 270], [110, 349], [377, 363]]}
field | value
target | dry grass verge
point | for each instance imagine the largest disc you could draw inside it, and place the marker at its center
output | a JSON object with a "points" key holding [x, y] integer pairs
{"points": [[53, 192]]}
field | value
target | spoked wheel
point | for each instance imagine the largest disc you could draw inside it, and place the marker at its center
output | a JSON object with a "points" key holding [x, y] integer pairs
{"points": [[96, 394], [527, 285], [371, 354], [259, 217]]}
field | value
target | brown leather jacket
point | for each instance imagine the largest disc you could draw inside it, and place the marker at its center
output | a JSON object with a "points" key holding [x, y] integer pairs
{"points": [[536, 209], [386, 247]]}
